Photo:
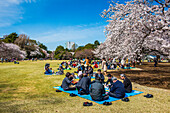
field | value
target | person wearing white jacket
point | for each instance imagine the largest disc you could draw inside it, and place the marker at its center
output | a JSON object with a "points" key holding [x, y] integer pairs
{"points": [[104, 66]]}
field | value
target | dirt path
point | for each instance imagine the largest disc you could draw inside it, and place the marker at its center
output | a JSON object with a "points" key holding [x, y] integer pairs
{"points": [[149, 75]]}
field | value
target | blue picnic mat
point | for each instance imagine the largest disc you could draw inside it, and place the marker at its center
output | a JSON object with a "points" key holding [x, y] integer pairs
{"points": [[50, 74], [128, 67], [124, 68], [88, 97], [91, 78]]}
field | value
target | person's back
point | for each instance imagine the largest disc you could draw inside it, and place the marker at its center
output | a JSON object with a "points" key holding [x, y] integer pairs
{"points": [[96, 90], [100, 75], [66, 83], [61, 71], [118, 89], [84, 84], [127, 85]]}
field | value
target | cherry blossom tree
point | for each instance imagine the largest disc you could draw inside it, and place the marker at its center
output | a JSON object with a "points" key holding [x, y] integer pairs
{"points": [[136, 28], [10, 50]]}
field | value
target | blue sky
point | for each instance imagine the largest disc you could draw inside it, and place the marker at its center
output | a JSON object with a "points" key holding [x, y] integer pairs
{"points": [[54, 22]]}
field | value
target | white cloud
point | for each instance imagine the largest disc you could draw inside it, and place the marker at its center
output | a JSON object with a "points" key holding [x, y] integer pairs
{"points": [[70, 33], [79, 34], [11, 12]]}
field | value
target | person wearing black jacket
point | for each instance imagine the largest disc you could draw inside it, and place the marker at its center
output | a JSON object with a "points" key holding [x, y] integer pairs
{"points": [[117, 89], [100, 75], [109, 79], [83, 85], [67, 82], [97, 90], [90, 71], [127, 83]]}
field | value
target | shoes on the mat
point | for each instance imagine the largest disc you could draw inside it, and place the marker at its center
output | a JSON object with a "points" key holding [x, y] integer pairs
{"points": [[73, 95], [148, 96], [125, 99], [107, 103], [58, 91], [87, 104]]}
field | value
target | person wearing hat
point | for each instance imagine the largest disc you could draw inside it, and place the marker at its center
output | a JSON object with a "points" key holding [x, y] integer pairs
{"points": [[67, 82], [83, 85], [117, 89], [97, 90], [99, 74], [127, 83], [109, 79]]}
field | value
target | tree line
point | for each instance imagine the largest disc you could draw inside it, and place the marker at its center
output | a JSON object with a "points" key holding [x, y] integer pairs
{"points": [[22, 47], [80, 52]]}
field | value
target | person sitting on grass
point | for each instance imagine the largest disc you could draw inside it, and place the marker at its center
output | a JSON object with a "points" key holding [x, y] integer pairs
{"points": [[83, 85], [79, 64], [95, 65], [48, 70], [67, 82], [97, 90], [117, 89], [90, 71], [99, 74], [60, 72], [82, 68], [127, 83], [109, 80], [79, 72]]}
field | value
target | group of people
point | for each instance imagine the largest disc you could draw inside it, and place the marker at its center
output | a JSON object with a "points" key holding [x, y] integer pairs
{"points": [[96, 88], [112, 64], [9, 60], [49, 70]]}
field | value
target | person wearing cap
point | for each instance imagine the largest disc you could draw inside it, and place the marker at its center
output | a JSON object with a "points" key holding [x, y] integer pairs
{"points": [[109, 79], [99, 74], [67, 82], [127, 83], [117, 89], [83, 85], [97, 90]]}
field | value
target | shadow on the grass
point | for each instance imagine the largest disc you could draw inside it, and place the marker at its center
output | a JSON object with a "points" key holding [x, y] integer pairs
{"points": [[150, 76], [27, 106]]}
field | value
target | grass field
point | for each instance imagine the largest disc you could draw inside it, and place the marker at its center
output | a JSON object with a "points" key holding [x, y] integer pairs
{"points": [[25, 88]]}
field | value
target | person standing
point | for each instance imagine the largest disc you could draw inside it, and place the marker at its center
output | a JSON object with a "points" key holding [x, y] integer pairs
{"points": [[104, 66], [86, 61], [156, 62], [2, 60]]}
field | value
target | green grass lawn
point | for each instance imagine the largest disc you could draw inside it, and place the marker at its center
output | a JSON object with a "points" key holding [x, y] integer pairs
{"points": [[25, 88]]}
